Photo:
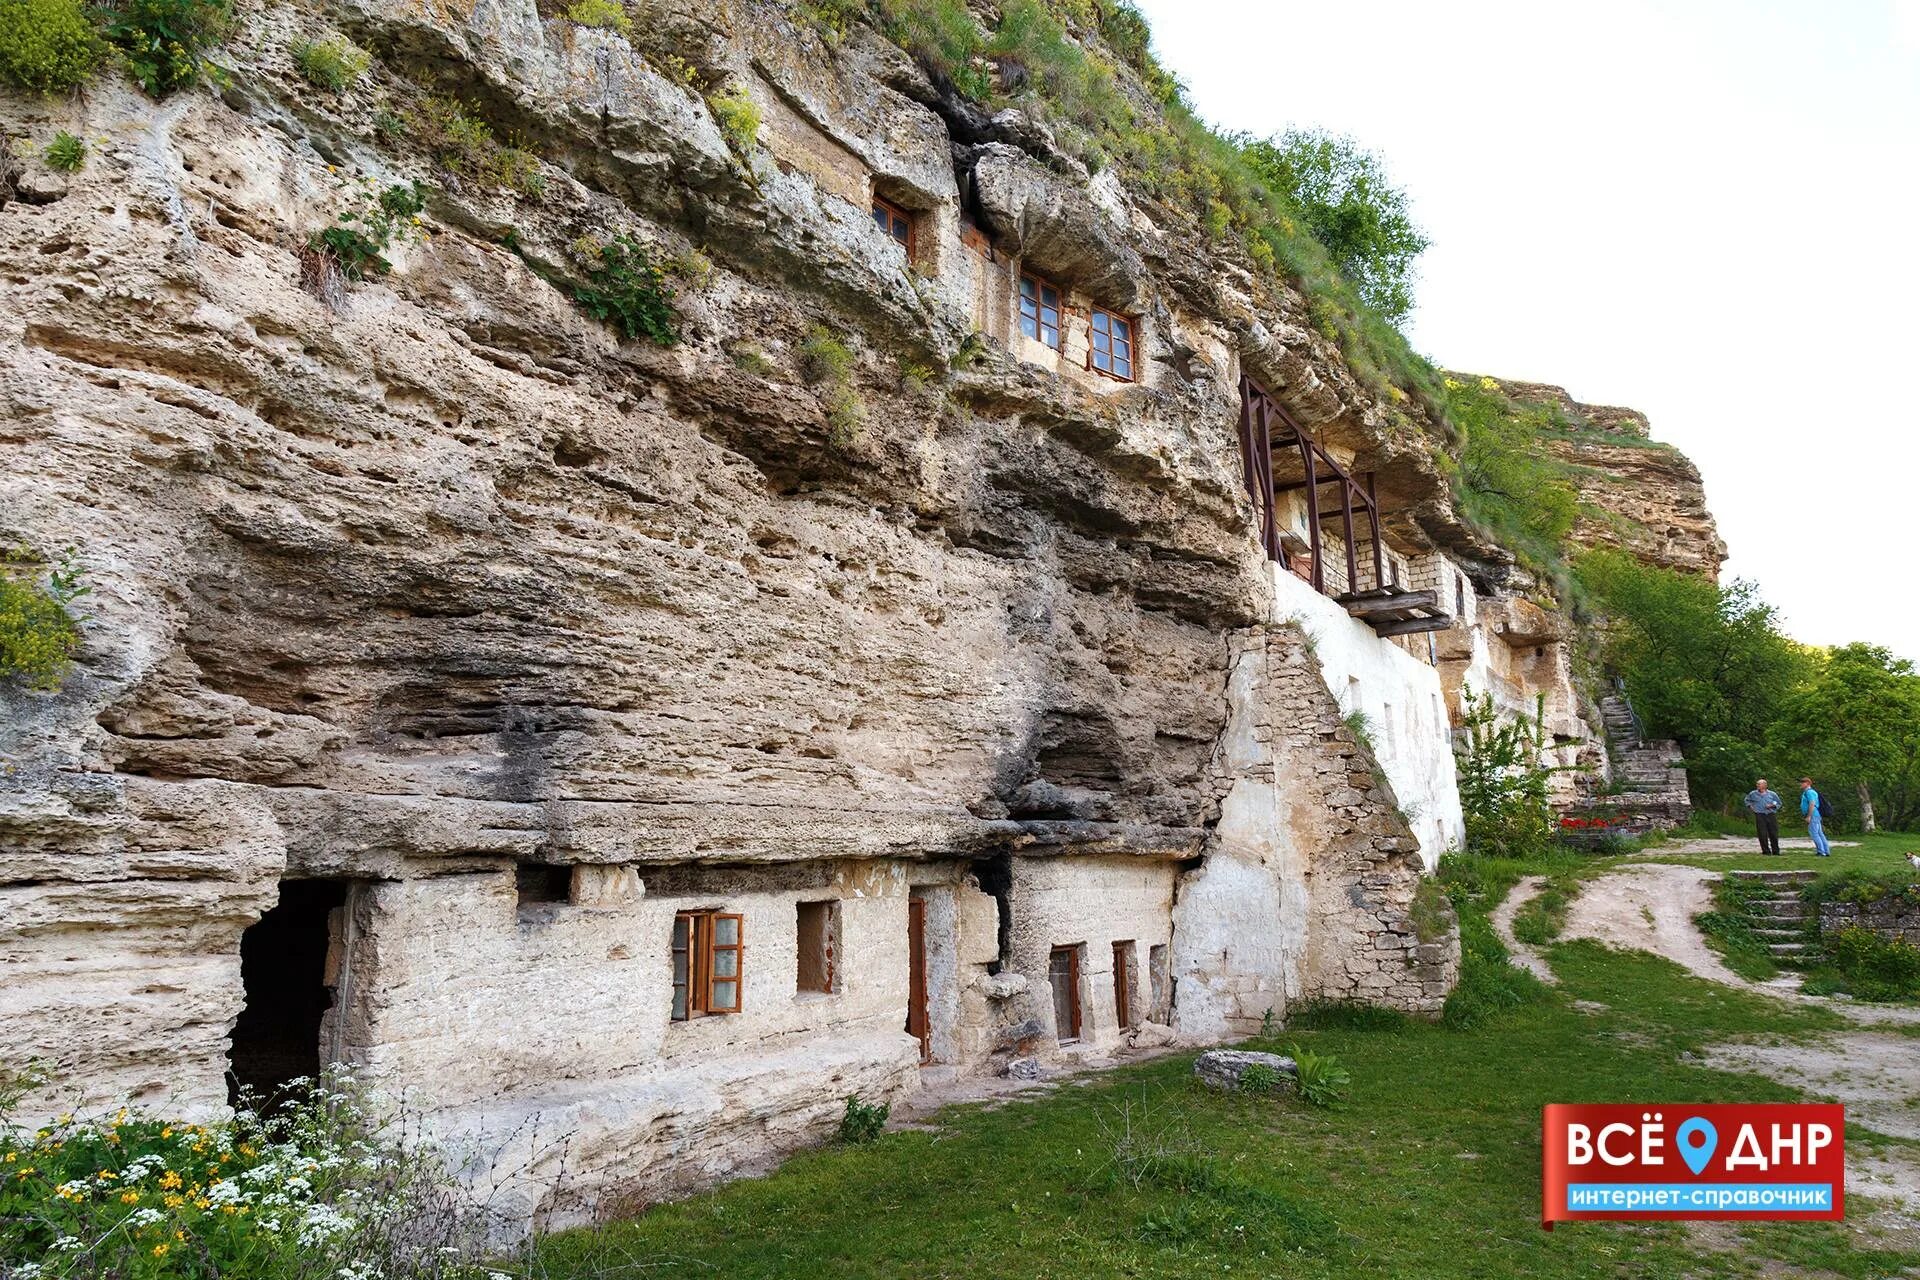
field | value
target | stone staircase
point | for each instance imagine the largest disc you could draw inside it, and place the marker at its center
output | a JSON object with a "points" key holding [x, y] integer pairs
{"points": [[1780, 917], [1649, 777]]}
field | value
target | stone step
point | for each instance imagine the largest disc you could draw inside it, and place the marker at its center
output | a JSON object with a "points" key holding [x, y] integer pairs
{"points": [[1776, 877], [1784, 949], [1781, 935]]}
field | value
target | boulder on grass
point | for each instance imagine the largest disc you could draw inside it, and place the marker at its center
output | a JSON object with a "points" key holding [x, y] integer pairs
{"points": [[1222, 1068]]}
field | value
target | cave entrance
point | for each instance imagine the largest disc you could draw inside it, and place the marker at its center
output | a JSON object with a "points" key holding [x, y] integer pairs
{"points": [[290, 985]]}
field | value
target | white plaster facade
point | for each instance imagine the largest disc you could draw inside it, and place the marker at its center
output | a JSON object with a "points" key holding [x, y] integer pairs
{"points": [[1404, 705]]}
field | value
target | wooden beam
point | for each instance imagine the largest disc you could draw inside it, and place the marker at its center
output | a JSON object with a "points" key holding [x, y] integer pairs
{"points": [[1313, 517], [1392, 602], [1412, 626], [1373, 519]]}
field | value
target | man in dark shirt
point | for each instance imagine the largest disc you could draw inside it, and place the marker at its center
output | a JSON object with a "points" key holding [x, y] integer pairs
{"points": [[1765, 806]]}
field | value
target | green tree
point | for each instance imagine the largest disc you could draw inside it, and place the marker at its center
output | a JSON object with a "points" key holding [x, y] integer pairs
{"points": [[1855, 727], [1503, 782], [1705, 664], [1342, 193]]}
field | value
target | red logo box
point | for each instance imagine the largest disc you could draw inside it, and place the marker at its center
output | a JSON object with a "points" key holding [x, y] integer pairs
{"points": [[1628, 1162]]}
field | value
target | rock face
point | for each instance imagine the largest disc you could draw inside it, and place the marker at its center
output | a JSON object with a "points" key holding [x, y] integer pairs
{"points": [[1647, 496], [625, 752]]}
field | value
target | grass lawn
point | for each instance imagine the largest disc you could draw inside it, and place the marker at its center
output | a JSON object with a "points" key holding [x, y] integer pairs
{"points": [[1430, 1170]]}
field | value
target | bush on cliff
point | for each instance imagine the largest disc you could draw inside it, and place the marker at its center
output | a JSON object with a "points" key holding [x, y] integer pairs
{"points": [[38, 632], [47, 45], [165, 42]]}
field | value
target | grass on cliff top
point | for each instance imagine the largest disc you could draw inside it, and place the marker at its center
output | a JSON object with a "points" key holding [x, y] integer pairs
{"points": [[1431, 1169]]}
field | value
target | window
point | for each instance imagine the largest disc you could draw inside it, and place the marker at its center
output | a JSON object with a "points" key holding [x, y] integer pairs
{"points": [[537, 884], [707, 947], [1040, 310], [817, 930], [1460, 596], [1124, 981], [1112, 351], [895, 221], [1063, 975]]}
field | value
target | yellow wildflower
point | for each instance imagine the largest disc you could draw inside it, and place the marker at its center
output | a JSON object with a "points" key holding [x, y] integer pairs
{"points": [[167, 1132], [160, 1250], [173, 1201], [1488, 384], [129, 1197], [11, 1157], [169, 1179], [1453, 384], [107, 1175]]}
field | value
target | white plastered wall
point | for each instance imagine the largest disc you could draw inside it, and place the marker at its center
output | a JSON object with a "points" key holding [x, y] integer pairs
{"points": [[1402, 700]]}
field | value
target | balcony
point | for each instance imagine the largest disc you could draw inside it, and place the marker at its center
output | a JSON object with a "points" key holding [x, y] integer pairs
{"points": [[1279, 457]]}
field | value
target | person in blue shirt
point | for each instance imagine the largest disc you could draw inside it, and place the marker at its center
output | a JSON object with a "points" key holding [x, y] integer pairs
{"points": [[1765, 806], [1810, 806]]}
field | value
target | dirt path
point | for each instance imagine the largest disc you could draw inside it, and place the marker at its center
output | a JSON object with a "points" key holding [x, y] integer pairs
{"points": [[1524, 891], [1874, 1068]]}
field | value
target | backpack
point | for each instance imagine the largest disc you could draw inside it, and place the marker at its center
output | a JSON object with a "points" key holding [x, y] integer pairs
{"points": [[1826, 807]]}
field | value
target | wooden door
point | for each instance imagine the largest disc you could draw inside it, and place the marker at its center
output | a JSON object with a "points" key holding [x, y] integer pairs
{"points": [[1063, 975], [1123, 984], [917, 1026]]}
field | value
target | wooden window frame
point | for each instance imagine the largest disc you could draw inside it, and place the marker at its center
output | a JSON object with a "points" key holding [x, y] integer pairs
{"points": [[1131, 343], [1123, 954], [1070, 1034], [896, 213], [700, 948], [1040, 308]]}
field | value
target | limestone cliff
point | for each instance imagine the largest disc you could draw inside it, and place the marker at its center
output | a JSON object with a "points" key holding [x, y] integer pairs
{"points": [[1638, 494]]}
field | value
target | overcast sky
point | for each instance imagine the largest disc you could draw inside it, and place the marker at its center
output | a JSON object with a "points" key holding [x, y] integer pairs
{"points": [[1707, 211]]}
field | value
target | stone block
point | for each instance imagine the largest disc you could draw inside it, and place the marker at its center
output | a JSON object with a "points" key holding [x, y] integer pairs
{"points": [[1223, 1068]]}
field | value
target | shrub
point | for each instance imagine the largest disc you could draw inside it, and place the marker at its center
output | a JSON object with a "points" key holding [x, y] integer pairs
{"points": [[627, 289], [1503, 784], [1319, 1078], [38, 631], [314, 1190], [738, 118], [1259, 1078], [334, 63], [1873, 967], [831, 18], [461, 142], [358, 240], [608, 15], [943, 36], [66, 153], [826, 362], [47, 45], [165, 42], [863, 1121]]}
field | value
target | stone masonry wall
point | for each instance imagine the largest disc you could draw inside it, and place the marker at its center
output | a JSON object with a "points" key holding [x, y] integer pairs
{"points": [[1888, 918]]}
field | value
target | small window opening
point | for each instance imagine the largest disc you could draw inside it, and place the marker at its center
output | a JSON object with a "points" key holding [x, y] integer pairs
{"points": [[706, 953], [1040, 310], [1112, 349], [895, 222], [1459, 597], [817, 932], [1063, 975], [995, 877], [540, 883]]}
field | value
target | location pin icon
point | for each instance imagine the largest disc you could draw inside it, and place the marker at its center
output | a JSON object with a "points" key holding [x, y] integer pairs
{"points": [[1696, 1139]]}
